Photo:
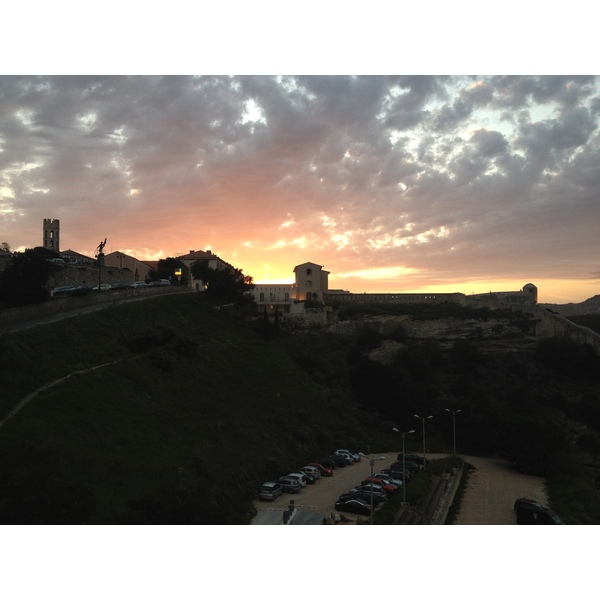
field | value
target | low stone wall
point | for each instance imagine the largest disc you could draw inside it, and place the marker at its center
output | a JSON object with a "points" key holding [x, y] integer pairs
{"points": [[552, 325]]}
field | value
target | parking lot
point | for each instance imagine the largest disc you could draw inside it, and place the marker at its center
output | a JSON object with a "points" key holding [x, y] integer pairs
{"points": [[488, 500], [321, 496]]}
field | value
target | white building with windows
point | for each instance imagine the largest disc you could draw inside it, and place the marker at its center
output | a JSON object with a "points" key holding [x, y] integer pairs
{"points": [[311, 283]]}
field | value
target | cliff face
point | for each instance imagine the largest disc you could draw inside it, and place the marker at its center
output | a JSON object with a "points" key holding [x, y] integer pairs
{"points": [[506, 333], [491, 334]]}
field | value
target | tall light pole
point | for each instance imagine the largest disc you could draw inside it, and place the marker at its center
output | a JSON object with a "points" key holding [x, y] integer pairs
{"points": [[403, 434], [423, 419], [454, 413], [372, 461]]}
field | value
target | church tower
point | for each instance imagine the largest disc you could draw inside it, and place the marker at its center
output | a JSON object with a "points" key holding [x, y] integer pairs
{"points": [[52, 234]]}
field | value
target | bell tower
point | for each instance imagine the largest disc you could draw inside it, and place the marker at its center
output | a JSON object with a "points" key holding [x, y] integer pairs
{"points": [[52, 234]]}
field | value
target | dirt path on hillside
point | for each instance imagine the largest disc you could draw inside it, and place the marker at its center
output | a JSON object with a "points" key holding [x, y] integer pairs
{"points": [[52, 384]]}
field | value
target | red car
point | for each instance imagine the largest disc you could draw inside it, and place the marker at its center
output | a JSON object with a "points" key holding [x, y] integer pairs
{"points": [[389, 489], [325, 471]]}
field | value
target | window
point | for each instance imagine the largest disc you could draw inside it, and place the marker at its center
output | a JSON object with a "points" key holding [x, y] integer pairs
{"points": [[309, 271]]}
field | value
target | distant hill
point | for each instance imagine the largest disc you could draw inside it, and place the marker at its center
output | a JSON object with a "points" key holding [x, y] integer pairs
{"points": [[591, 306]]}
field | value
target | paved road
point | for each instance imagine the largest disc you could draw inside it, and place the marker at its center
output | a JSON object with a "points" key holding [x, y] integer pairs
{"points": [[492, 490]]}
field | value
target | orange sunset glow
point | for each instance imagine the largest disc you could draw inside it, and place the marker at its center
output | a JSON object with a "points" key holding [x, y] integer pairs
{"points": [[393, 184]]}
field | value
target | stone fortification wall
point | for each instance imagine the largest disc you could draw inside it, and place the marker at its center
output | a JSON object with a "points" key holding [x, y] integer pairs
{"points": [[450, 329], [88, 275], [552, 325], [455, 297]]}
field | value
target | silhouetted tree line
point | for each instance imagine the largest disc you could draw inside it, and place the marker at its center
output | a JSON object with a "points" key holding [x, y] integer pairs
{"points": [[227, 285], [514, 406], [25, 279]]}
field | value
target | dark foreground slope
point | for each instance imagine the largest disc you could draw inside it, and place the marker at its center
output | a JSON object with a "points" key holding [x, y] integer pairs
{"points": [[162, 411]]}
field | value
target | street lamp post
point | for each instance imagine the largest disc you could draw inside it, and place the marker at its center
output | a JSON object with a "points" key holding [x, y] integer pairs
{"points": [[423, 419], [372, 461], [403, 434], [454, 413]]}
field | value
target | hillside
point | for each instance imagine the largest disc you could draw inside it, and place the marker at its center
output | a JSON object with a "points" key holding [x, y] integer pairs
{"points": [[187, 413], [169, 411], [591, 306]]}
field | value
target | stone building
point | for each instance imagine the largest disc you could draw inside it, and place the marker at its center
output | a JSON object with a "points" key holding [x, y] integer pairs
{"points": [[51, 234], [120, 260], [214, 262], [311, 283]]}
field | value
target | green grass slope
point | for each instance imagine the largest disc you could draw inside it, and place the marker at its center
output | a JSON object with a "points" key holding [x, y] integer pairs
{"points": [[163, 411]]}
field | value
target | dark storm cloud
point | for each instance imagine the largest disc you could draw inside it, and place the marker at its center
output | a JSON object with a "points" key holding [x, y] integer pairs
{"points": [[441, 174]]}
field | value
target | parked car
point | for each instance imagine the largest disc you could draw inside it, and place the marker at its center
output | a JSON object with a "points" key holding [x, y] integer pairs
{"points": [[353, 455], [354, 505], [364, 496], [388, 487], [312, 471], [137, 284], [328, 463], [103, 287], [398, 474], [408, 465], [62, 290], [81, 290], [120, 286], [413, 457], [270, 490], [530, 514], [377, 490], [527, 502], [385, 477], [325, 471], [289, 485], [340, 461], [302, 478]]}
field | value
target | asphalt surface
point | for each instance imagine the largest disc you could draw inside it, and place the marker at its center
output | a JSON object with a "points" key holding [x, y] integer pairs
{"points": [[489, 498], [492, 490]]}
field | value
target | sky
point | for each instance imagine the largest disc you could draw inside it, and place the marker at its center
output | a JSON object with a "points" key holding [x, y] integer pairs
{"points": [[393, 183]]}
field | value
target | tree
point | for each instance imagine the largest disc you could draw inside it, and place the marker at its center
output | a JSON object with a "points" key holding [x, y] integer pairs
{"points": [[6, 247], [25, 279], [226, 284], [167, 268]]}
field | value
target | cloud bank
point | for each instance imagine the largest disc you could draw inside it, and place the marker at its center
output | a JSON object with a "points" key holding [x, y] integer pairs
{"points": [[394, 183]]}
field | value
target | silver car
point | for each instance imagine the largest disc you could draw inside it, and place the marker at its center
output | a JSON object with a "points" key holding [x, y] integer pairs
{"points": [[270, 490], [289, 485]]}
